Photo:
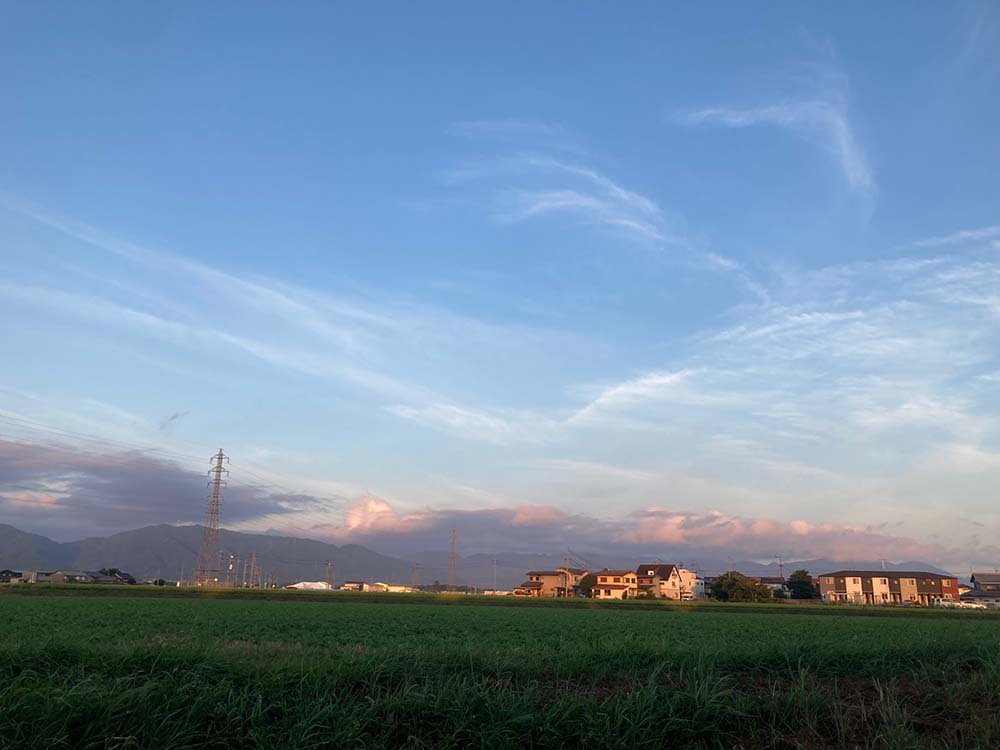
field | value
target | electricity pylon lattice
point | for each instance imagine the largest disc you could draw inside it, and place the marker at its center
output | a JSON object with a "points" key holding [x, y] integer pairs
{"points": [[207, 568]]}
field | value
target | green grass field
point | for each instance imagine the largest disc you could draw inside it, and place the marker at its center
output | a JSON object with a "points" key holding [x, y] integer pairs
{"points": [[86, 671]]}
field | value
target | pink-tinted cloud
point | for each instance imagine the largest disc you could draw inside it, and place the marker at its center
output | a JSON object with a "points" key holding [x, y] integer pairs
{"points": [[370, 516], [535, 515], [68, 493], [767, 536]]}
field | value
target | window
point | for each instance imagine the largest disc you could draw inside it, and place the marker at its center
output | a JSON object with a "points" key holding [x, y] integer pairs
{"points": [[856, 581], [618, 580]]}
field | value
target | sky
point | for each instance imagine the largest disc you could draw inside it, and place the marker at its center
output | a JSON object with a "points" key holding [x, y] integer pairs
{"points": [[723, 277]]}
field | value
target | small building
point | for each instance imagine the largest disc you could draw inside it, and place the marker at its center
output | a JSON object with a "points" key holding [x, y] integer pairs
{"points": [[616, 584], [985, 581], [777, 584], [390, 588], [6, 576], [529, 588], [560, 582], [985, 590], [310, 586], [887, 587], [354, 586]]}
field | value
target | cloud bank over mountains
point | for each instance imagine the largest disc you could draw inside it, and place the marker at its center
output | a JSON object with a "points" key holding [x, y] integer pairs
{"points": [[67, 493]]}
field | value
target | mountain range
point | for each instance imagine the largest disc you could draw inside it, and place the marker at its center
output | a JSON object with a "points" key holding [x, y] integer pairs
{"points": [[166, 551]]}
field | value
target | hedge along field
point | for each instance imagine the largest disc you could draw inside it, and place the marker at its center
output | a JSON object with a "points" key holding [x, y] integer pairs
{"points": [[103, 672]]}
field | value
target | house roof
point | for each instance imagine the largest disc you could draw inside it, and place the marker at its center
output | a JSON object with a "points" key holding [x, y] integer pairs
{"points": [[575, 571], [986, 577], [772, 580], [885, 574], [531, 585], [659, 569], [544, 573], [615, 586], [616, 572]]}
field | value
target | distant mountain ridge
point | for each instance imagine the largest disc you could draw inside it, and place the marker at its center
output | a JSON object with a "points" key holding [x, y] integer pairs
{"points": [[166, 551]]}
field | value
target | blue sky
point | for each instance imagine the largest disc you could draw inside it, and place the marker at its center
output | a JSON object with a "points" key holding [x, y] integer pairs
{"points": [[671, 269]]}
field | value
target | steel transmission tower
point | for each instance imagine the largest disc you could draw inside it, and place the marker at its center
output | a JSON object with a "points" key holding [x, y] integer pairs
{"points": [[451, 564], [207, 568]]}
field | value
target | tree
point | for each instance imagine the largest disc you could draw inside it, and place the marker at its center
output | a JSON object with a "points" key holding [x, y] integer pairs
{"points": [[801, 586], [736, 587], [586, 584]]}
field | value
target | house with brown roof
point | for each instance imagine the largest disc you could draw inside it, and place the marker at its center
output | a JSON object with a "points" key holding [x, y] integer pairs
{"points": [[616, 584], [887, 587], [560, 582]]}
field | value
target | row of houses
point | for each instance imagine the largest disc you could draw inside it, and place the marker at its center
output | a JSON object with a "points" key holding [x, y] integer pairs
{"points": [[865, 587], [909, 587], [657, 580], [66, 576]]}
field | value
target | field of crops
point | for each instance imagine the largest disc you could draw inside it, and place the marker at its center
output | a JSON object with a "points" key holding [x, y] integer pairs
{"points": [[157, 672]]}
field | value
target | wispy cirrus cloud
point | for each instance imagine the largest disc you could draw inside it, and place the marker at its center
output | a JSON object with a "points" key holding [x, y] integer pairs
{"points": [[821, 118], [492, 426], [530, 184], [961, 237]]}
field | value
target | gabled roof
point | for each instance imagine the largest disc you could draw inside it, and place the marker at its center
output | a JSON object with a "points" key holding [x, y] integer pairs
{"points": [[531, 585], [543, 573], [615, 573], [662, 570], [885, 574]]}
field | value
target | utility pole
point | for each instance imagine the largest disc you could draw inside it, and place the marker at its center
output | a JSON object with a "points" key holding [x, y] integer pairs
{"points": [[494, 576], [566, 563], [329, 574], [451, 564], [781, 567], [243, 578], [253, 569], [413, 575], [207, 567]]}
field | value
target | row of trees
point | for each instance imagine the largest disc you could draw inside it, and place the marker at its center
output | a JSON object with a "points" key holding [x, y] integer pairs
{"points": [[735, 587]]}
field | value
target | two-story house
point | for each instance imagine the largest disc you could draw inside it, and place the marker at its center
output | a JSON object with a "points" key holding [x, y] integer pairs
{"points": [[560, 582], [616, 584], [665, 581]]}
